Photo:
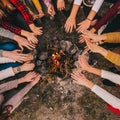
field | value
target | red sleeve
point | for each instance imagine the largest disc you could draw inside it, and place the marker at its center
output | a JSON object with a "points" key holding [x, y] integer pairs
{"points": [[10, 27], [23, 10], [112, 11]]}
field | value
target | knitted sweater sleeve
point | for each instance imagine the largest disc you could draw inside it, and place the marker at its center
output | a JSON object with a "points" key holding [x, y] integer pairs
{"points": [[106, 96], [6, 33], [113, 57], [6, 73], [113, 37], [8, 86], [37, 4], [111, 76]]}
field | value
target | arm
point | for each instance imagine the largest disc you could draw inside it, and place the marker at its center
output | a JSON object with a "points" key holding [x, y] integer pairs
{"points": [[24, 11], [112, 11], [6, 33], [12, 71], [37, 5], [106, 96], [87, 22], [82, 62], [71, 21], [18, 98]]}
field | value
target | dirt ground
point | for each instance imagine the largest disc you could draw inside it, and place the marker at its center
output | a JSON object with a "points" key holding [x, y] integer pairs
{"points": [[63, 100]]}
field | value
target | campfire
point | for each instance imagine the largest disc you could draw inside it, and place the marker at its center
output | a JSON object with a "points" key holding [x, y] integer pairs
{"points": [[57, 61]]}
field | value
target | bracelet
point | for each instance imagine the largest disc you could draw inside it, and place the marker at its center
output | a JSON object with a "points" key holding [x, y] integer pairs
{"points": [[1, 53], [18, 69], [89, 19]]}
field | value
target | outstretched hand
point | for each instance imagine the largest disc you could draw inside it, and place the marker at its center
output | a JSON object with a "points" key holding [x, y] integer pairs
{"points": [[80, 79]]}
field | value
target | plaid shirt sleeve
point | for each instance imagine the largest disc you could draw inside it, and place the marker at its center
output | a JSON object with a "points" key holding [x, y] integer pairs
{"points": [[10, 27], [24, 11]]}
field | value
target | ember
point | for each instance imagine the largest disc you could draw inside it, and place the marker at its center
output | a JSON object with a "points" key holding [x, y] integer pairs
{"points": [[58, 60]]}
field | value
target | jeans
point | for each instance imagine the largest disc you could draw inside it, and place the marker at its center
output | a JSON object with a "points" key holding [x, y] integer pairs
{"points": [[9, 46]]}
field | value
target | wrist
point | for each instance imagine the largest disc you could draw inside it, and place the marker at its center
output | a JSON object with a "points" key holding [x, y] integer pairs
{"points": [[5, 53], [89, 84], [21, 80], [17, 70], [89, 19]]}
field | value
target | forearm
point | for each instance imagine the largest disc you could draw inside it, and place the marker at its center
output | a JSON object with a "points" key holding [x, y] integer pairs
{"points": [[113, 57], [115, 78], [91, 15], [6, 33], [106, 96], [97, 5], [74, 11], [8, 86], [94, 70], [113, 37]]}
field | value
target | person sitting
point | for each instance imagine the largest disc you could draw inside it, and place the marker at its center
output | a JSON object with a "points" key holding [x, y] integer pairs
{"points": [[113, 103]]}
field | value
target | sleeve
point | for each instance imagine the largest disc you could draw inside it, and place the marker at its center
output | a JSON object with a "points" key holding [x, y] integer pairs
{"points": [[113, 57], [18, 98], [6, 60], [8, 86], [97, 5], [10, 27], [47, 2], [6, 33], [111, 12], [111, 76], [106, 96], [77, 2], [23, 10], [6, 73], [113, 37], [37, 4]]}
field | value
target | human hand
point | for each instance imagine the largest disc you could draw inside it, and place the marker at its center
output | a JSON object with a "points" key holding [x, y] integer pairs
{"points": [[70, 24], [36, 79], [95, 48], [51, 10], [29, 77], [60, 5], [36, 30], [23, 42], [84, 25], [81, 79], [92, 36], [27, 67], [18, 56], [83, 63]]}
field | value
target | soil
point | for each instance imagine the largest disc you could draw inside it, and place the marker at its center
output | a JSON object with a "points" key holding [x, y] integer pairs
{"points": [[63, 100]]}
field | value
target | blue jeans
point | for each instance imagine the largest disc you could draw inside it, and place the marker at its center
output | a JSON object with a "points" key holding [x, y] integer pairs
{"points": [[9, 46]]}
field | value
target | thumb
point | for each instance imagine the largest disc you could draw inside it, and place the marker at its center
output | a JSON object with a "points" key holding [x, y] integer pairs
{"points": [[21, 47]]}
